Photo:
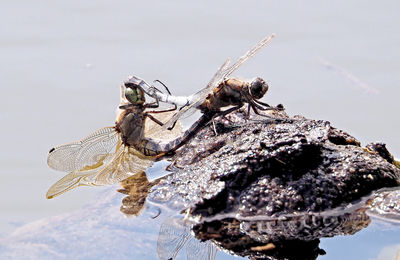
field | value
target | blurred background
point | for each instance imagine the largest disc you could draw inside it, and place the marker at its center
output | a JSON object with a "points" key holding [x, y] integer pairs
{"points": [[62, 63]]}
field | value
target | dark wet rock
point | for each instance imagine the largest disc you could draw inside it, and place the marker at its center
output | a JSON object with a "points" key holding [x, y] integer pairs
{"points": [[273, 168], [257, 168]]}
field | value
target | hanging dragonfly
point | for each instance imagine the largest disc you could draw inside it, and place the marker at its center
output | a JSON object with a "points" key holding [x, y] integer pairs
{"points": [[220, 92], [112, 154]]}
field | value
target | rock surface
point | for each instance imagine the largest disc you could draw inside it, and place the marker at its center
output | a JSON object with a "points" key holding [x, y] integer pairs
{"points": [[256, 168]]}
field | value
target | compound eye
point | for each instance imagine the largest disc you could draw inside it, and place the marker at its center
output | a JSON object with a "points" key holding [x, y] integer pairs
{"points": [[140, 95], [131, 95], [258, 88], [135, 95]]}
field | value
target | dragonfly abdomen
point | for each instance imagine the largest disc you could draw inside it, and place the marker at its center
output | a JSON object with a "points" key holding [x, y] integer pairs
{"points": [[151, 147]]}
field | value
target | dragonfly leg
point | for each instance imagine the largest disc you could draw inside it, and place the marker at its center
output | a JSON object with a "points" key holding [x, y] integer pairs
{"points": [[125, 106], [173, 167], [172, 126], [154, 119], [158, 214], [166, 110], [223, 114], [248, 111], [162, 111], [261, 103], [268, 107], [214, 127], [255, 108], [154, 104]]}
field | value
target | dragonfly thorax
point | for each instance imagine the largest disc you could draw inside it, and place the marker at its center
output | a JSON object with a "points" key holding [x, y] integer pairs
{"points": [[130, 126]]}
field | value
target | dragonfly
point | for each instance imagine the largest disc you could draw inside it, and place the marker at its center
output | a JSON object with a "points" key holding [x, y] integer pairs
{"points": [[112, 154], [220, 92]]}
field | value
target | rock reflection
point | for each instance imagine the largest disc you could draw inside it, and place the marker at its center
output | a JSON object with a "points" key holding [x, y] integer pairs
{"points": [[294, 237], [386, 206]]}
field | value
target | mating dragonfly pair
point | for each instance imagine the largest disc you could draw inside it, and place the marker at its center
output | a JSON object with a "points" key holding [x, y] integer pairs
{"points": [[112, 154]]}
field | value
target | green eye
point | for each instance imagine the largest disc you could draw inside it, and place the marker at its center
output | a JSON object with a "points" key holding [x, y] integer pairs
{"points": [[131, 95], [134, 95]]}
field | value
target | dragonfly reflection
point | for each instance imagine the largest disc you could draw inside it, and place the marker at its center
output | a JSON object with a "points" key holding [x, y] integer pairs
{"points": [[175, 234], [136, 187]]}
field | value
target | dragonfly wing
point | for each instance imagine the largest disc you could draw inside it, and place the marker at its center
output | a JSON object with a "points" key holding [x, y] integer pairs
{"points": [[114, 168], [84, 177], [223, 72], [214, 82], [171, 238], [200, 96], [250, 53], [86, 152], [125, 165], [199, 250], [155, 131], [71, 181]]}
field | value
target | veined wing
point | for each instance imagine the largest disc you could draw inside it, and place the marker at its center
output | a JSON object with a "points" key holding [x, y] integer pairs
{"points": [[87, 152], [114, 168], [126, 164], [172, 237], [199, 250], [223, 72], [155, 131], [102, 158], [249, 54], [200, 96], [130, 161]]}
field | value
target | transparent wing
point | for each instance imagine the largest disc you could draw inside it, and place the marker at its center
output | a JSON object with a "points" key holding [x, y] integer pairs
{"points": [[83, 177], [128, 163], [198, 250], [86, 152], [111, 169], [171, 238], [223, 72], [200, 96], [101, 159], [250, 53], [155, 131]]}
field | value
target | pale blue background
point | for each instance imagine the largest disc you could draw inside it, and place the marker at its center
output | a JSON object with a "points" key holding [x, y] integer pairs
{"points": [[62, 62]]}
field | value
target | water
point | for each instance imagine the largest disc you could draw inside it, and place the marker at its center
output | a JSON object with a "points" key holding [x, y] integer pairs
{"points": [[62, 63]]}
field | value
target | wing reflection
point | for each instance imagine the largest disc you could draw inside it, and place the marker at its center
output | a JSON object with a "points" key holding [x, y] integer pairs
{"points": [[174, 234]]}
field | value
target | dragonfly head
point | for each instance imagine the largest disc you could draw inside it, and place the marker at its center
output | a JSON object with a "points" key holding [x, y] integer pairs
{"points": [[134, 94], [258, 88]]}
